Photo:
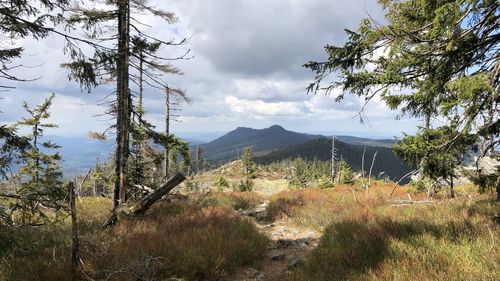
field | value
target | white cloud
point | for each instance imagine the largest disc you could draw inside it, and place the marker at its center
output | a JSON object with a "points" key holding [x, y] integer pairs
{"points": [[261, 108], [246, 71]]}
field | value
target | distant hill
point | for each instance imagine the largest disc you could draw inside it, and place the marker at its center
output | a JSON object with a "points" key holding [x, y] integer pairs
{"points": [[229, 146], [320, 149], [80, 153]]}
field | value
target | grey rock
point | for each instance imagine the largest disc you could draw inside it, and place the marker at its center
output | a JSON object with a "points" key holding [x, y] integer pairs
{"points": [[302, 246], [279, 257], [295, 262], [302, 241], [252, 272], [283, 243]]}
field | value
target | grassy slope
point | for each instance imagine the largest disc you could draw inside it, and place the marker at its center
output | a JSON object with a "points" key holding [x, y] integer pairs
{"points": [[180, 239], [369, 239], [202, 238]]}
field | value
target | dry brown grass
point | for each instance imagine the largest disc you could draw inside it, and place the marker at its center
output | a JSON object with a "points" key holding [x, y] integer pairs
{"points": [[234, 200], [369, 239], [179, 239]]}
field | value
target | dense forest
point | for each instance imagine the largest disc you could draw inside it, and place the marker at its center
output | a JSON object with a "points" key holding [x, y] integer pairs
{"points": [[386, 164]]}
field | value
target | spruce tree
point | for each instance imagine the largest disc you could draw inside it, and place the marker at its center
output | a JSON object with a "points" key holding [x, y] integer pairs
{"points": [[248, 170], [431, 59], [40, 177], [132, 52]]}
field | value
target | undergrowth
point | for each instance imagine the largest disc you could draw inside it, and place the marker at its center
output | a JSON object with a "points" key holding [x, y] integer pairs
{"points": [[367, 237], [175, 239]]}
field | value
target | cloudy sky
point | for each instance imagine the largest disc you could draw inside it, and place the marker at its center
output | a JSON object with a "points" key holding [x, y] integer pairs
{"points": [[246, 71]]}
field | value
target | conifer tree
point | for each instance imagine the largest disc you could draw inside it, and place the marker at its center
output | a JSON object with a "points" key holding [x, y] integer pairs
{"points": [[40, 177], [25, 19], [432, 59], [248, 169], [132, 52], [346, 174]]}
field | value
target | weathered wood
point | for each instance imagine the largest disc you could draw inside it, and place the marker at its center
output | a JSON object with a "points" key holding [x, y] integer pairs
{"points": [[401, 179], [75, 251], [371, 167], [143, 204]]}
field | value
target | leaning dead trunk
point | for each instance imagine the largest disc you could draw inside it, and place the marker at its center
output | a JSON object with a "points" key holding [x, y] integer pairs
{"points": [[141, 206]]}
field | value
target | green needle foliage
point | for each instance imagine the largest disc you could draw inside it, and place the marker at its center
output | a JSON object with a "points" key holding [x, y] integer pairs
{"points": [[39, 186], [21, 19], [431, 59], [248, 170], [11, 148], [419, 149]]}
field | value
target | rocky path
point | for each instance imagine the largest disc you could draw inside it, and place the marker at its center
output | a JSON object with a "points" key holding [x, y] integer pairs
{"points": [[289, 245]]}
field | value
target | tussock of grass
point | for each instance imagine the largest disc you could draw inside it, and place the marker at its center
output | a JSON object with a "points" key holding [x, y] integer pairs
{"points": [[203, 244], [368, 239], [234, 200], [177, 239], [388, 249]]}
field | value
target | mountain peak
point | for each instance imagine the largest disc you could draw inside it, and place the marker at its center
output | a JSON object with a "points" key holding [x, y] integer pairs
{"points": [[276, 128]]}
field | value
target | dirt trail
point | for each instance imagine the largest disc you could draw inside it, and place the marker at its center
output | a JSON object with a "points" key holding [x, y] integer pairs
{"points": [[288, 247]]}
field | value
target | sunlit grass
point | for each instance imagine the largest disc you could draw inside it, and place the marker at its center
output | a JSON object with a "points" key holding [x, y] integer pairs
{"points": [[175, 239], [367, 237]]}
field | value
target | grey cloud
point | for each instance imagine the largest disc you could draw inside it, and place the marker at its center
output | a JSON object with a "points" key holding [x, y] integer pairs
{"points": [[259, 37], [251, 50]]}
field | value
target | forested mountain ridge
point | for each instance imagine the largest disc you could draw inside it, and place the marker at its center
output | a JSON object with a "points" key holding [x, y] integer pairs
{"points": [[320, 149], [229, 146], [367, 141]]}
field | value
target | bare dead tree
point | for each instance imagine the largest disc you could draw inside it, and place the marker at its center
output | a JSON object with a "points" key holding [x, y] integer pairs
{"points": [[132, 52], [75, 252], [363, 167], [371, 167]]}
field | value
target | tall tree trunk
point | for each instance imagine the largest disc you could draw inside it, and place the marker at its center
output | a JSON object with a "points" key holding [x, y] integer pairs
{"points": [[427, 122], [167, 129], [332, 164], [36, 176], [427, 125], [75, 252], [371, 167], [141, 87], [123, 104], [363, 167]]}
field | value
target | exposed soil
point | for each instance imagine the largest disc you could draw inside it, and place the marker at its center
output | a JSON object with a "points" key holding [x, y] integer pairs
{"points": [[287, 250]]}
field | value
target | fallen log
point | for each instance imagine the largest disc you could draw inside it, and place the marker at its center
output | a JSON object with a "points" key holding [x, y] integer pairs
{"points": [[399, 203], [143, 204]]}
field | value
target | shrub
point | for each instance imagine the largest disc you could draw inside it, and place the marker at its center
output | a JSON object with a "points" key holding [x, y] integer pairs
{"points": [[221, 183], [283, 206], [191, 184], [246, 185], [325, 182], [203, 244]]}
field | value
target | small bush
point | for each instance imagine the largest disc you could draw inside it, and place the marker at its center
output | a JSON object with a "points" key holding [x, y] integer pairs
{"points": [[246, 185], [221, 183], [420, 184], [283, 206], [203, 244], [325, 182], [192, 185]]}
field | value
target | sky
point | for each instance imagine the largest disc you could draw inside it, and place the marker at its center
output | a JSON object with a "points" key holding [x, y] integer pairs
{"points": [[245, 70]]}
